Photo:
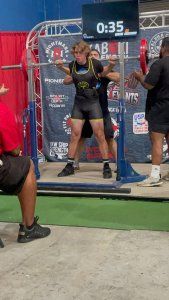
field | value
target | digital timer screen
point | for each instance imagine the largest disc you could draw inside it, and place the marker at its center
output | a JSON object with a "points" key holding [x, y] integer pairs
{"points": [[110, 20]]}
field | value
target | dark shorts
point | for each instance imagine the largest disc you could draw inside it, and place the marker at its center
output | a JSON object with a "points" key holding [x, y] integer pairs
{"points": [[86, 108], [160, 128], [13, 173], [108, 128], [87, 130]]}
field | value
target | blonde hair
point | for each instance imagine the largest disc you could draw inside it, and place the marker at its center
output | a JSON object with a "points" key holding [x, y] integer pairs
{"points": [[81, 47]]}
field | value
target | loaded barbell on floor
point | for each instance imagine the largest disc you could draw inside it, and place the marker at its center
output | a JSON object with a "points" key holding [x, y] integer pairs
{"points": [[144, 58]]}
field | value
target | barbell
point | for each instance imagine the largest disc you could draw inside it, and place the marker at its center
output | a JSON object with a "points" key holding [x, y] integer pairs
{"points": [[144, 58]]}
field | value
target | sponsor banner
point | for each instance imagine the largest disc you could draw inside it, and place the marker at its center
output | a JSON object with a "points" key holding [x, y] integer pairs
{"points": [[57, 99], [131, 96], [140, 125], [58, 150], [53, 80]]}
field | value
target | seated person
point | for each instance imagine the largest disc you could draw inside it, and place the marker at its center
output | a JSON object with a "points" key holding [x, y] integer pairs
{"points": [[17, 175]]}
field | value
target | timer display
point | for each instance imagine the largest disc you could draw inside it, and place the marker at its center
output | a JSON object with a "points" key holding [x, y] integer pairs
{"points": [[111, 20]]}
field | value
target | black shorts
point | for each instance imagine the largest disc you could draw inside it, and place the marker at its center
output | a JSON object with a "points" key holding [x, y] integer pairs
{"points": [[87, 130], [86, 108], [108, 128], [160, 128], [13, 173]]}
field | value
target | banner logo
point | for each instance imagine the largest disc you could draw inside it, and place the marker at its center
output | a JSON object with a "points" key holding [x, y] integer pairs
{"points": [[115, 127], [108, 49], [140, 125], [131, 96], [57, 100], [54, 80], [155, 42], [56, 50], [58, 150], [67, 124]]}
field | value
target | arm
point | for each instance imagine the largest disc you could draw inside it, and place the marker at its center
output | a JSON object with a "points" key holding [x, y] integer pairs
{"points": [[153, 76], [107, 69], [140, 77], [113, 76], [59, 64], [68, 80]]}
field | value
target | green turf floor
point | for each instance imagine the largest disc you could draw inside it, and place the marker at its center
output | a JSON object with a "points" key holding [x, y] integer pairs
{"points": [[92, 212]]}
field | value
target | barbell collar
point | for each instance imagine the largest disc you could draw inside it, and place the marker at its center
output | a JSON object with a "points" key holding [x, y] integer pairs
{"points": [[11, 67]]}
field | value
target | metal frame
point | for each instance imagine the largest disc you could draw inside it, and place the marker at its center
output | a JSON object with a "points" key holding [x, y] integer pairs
{"points": [[72, 27]]}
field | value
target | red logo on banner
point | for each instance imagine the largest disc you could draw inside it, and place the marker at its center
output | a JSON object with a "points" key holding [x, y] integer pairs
{"points": [[57, 53], [69, 122], [113, 48], [56, 50], [115, 127], [57, 98]]}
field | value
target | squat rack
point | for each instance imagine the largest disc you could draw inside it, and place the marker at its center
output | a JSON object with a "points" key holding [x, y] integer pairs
{"points": [[73, 27], [65, 28]]}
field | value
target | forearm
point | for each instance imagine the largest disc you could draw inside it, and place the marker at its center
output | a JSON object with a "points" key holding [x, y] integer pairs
{"points": [[64, 69], [145, 84], [68, 80], [107, 69], [113, 76], [141, 78]]}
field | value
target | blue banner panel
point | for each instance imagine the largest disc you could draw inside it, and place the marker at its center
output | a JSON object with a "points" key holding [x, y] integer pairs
{"points": [[57, 99]]}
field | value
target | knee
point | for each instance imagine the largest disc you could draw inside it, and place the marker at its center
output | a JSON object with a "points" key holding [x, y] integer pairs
{"points": [[99, 134], [75, 135]]}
